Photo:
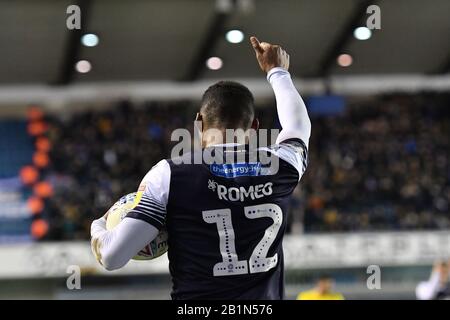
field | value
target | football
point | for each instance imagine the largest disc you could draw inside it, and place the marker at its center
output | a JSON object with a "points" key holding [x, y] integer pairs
{"points": [[119, 211]]}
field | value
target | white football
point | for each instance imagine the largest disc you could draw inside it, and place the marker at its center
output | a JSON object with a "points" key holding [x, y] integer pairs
{"points": [[119, 210]]}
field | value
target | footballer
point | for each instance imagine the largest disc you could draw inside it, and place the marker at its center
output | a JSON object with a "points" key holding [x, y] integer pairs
{"points": [[225, 221]]}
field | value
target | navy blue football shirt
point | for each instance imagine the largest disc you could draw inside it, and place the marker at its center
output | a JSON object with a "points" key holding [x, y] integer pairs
{"points": [[226, 219]]}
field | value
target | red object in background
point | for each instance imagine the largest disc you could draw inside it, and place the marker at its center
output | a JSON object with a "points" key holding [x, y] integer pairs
{"points": [[40, 159], [37, 128], [316, 202], [35, 204], [39, 228], [34, 113], [43, 144], [43, 189], [29, 175]]}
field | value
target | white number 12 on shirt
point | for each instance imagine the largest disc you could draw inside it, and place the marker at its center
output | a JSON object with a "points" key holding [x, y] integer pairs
{"points": [[258, 262]]}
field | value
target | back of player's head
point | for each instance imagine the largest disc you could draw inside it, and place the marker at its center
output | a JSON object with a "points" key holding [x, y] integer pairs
{"points": [[227, 105]]}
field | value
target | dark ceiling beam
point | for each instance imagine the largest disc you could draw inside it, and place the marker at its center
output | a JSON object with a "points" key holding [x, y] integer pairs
{"points": [[73, 45], [207, 45], [356, 19]]}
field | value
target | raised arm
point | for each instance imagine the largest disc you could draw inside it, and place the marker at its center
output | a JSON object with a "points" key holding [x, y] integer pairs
{"points": [[291, 109]]}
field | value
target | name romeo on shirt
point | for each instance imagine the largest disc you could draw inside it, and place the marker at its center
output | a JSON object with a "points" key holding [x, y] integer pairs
{"points": [[242, 193]]}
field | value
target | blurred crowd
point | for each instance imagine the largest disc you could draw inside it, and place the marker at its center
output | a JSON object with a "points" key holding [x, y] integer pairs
{"points": [[97, 157], [383, 164]]}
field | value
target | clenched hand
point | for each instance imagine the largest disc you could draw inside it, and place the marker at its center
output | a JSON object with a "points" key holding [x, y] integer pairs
{"points": [[269, 55]]}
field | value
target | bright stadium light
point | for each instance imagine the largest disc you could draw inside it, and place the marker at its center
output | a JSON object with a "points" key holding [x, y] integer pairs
{"points": [[83, 66], [345, 60], [214, 63], [234, 36], [89, 40], [362, 33]]}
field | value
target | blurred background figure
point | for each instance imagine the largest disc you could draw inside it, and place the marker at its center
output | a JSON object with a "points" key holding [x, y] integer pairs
{"points": [[322, 291], [438, 286]]}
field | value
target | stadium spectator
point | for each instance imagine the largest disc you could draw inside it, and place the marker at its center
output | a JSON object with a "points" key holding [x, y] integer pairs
{"points": [[438, 286], [322, 291]]}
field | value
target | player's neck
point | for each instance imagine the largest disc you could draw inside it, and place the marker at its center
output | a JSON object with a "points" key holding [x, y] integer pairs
{"points": [[216, 137], [206, 145]]}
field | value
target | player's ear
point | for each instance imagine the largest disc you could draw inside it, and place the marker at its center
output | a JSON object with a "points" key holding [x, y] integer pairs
{"points": [[255, 124], [199, 122]]}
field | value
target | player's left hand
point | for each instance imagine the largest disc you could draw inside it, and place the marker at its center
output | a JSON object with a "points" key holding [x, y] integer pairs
{"points": [[105, 216], [96, 250]]}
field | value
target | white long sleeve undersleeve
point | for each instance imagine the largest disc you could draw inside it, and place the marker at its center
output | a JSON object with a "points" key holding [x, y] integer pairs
{"points": [[292, 113], [114, 248], [427, 290]]}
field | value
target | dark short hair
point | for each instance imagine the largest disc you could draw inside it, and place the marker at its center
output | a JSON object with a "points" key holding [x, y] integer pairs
{"points": [[324, 276], [227, 105]]}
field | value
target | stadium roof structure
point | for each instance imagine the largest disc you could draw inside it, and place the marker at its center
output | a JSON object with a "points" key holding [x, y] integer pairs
{"points": [[157, 49], [171, 39]]}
